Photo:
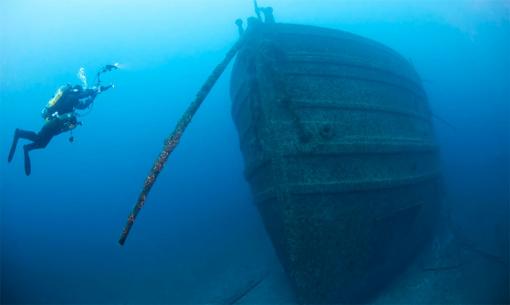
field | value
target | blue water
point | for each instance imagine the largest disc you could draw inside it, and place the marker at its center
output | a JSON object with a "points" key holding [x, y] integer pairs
{"points": [[199, 238]]}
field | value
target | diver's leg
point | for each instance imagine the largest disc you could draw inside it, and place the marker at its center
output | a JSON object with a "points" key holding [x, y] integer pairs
{"points": [[26, 134], [20, 133], [40, 142]]}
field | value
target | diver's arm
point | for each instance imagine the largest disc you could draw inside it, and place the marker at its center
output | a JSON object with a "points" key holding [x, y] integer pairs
{"points": [[89, 93], [85, 103], [86, 98]]}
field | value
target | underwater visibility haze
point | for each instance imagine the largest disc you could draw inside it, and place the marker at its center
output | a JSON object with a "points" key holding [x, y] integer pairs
{"points": [[346, 151]]}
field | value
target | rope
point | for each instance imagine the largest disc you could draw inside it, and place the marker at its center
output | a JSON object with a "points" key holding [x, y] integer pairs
{"points": [[174, 138]]}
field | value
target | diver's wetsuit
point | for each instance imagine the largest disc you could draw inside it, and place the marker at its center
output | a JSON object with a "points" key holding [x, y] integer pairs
{"points": [[59, 118]]}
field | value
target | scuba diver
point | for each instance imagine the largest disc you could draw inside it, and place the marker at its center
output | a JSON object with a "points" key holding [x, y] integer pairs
{"points": [[60, 114], [266, 11], [268, 14]]}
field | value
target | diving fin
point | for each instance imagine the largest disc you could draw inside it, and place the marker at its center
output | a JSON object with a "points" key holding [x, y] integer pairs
{"points": [[28, 167], [15, 139]]}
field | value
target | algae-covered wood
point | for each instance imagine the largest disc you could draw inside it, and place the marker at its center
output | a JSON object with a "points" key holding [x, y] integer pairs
{"points": [[340, 154]]}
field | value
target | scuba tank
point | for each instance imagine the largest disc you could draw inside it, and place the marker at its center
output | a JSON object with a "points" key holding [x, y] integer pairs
{"points": [[55, 98], [46, 112]]}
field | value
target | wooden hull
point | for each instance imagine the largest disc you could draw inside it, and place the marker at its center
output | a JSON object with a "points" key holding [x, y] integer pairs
{"points": [[340, 154]]}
